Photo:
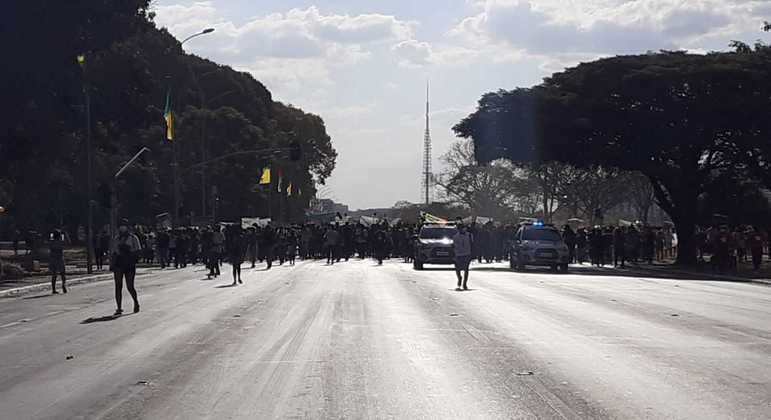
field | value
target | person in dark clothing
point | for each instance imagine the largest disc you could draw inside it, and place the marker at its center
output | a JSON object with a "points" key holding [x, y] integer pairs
{"points": [[235, 249], [56, 262], [649, 245], [570, 241], [755, 243], [722, 250], [331, 238], [291, 247], [619, 247], [379, 246], [101, 247], [207, 248], [163, 248], [268, 244], [251, 245], [596, 247], [581, 242], [125, 253]]}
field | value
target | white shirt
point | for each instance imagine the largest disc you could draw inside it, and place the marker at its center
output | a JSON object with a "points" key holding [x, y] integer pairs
{"points": [[461, 244]]}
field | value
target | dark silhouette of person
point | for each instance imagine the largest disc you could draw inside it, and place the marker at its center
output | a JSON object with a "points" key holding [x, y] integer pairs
{"points": [[56, 261], [235, 248], [125, 252]]}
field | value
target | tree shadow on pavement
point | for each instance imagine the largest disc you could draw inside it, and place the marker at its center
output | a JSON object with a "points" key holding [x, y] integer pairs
{"points": [[661, 273]]}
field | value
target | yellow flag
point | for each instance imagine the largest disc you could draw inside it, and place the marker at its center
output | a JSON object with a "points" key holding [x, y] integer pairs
{"points": [[168, 116], [265, 178]]}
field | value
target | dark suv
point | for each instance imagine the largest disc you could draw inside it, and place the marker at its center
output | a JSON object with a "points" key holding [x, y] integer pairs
{"points": [[539, 245]]}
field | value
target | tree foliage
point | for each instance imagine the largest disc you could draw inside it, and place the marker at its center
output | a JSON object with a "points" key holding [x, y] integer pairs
{"points": [[130, 65], [687, 122]]}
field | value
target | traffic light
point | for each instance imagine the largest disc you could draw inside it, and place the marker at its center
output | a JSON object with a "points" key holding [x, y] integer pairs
{"points": [[103, 195], [294, 151]]}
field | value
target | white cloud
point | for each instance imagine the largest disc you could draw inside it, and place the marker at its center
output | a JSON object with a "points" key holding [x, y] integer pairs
{"points": [[412, 53], [285, 50], [548, 27], [364, 73]]}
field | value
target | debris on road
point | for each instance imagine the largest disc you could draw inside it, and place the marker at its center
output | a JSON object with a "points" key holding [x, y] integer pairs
{"points": [[526, 373], [69, 357]]}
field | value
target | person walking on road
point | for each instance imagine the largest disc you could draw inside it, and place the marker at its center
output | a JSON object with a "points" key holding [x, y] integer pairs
{"points": [[619, 247], [330, 244], [125, 252], [234, 246], [462, 244], [218, 243], [56, 262], [380, 245]]}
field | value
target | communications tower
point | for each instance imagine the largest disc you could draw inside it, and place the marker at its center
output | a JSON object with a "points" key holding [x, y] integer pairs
{"points": [[427, 178]]}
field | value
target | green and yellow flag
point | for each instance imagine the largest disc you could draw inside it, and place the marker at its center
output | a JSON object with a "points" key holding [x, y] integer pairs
{"points": [[265, 178], [168, 116]]}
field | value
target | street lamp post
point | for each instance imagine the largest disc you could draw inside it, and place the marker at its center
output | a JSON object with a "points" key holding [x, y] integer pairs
{"points": [[174, 151], [114, 191], [90, 167]]}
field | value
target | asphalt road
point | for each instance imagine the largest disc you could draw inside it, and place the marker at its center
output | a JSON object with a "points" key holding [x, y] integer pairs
{"points": [[360, 341]]}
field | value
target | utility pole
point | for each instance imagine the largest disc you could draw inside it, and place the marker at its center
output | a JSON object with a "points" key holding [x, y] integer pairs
{"points": [[175, 152], [90, 167]]}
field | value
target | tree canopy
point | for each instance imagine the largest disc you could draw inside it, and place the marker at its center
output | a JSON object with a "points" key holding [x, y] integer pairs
{"points": [[685, 121], [130, 66]]}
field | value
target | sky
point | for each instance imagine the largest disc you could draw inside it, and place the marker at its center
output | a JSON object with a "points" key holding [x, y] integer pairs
{"points": [[363, 65]]}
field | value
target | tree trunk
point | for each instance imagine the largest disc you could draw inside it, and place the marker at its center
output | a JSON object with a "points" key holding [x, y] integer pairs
{"points": [[682, 209]]}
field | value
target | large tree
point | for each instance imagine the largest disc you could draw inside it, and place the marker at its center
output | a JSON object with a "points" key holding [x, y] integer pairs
{"points": [[486, 190], [130, 65], [685, 121]]}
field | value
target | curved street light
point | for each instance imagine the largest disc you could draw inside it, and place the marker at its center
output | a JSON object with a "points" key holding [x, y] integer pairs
{"points": [[174, 144], [203, 32]]}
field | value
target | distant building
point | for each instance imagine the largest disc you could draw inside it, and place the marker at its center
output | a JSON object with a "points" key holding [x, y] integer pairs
{"points": [[326, 206]]}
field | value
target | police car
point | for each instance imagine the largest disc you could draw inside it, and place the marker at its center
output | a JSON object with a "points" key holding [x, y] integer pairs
{"points": [[434, 245], [539, 244]]}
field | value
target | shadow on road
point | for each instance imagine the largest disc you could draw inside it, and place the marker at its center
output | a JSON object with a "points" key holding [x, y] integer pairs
{"points": [[39, 296], [224, 286], [103, 318], [631, 271]]}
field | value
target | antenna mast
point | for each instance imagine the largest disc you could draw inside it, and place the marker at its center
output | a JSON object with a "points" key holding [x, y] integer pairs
{"points": [[427, 175]]}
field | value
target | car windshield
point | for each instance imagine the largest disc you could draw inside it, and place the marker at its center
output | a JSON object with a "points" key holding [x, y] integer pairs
{"points": [[437, 233], [541, 235]]}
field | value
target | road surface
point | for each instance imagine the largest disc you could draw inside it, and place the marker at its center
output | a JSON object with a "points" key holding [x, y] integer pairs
{"points": [[355, 340]]}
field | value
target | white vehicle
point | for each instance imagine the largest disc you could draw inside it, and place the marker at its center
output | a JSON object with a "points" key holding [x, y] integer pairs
{"points": [[536, 244], [434, 245]]}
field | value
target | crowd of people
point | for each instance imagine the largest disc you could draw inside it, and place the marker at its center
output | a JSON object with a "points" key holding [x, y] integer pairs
{"points": [[599, 246], [336, 242], [618, 245]]}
